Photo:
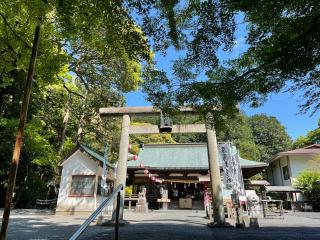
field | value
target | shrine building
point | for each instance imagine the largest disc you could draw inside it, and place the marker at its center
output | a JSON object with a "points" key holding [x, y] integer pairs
{"points": [[182, 170]]}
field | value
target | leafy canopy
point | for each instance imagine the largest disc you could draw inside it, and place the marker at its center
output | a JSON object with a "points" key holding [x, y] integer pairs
{"points": [[312, 137], [283, 39], [269, 135]]}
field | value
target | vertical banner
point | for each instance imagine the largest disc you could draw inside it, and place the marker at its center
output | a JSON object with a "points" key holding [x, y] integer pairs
{"points": [[232, 172]]}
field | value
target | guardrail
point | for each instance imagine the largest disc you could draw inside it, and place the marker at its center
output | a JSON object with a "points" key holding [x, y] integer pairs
{"points": [[93, 216]]}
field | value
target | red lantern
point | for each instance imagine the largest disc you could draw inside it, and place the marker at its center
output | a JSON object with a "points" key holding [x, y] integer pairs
{"points": [[153, 178], [141, 165], [146, 171], [149, 175], [135, 157]]}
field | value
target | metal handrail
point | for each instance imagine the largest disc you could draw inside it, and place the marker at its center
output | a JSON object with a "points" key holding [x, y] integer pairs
{"points": [[98, 210]]}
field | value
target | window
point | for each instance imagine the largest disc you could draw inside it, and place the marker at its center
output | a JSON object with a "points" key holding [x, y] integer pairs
{"points": [[285, 171], [83, 185]]}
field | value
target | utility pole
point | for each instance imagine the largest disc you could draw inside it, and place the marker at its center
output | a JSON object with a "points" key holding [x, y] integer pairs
{"points": [[19, 135]]}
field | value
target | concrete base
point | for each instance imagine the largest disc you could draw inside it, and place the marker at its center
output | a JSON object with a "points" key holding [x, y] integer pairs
{"points": [[219, 225], [142, 208], [100, 220], [253, 223], [240, 225], [112, 223]]}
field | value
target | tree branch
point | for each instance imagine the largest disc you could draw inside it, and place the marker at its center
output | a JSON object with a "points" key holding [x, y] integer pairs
{"points": [[14, 33], [73, 92]]}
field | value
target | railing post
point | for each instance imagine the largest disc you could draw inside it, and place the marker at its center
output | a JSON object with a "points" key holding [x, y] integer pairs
{"points": [[116, 226]]}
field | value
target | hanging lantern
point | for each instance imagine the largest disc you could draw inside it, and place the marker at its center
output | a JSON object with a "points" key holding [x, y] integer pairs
{"points": [[135, 157], [153, 178], [141, 165], [146, 171], [149, 175]]}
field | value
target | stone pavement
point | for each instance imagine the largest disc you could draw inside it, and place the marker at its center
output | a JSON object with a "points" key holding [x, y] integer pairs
{"points": [[177, 225]]}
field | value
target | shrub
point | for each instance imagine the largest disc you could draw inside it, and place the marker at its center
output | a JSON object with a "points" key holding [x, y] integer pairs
{"points": [[309, 182]]}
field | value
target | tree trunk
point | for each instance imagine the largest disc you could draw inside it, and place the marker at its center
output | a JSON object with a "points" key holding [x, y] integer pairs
{"points": [[65, 124], [80, 124], [19, 136]]}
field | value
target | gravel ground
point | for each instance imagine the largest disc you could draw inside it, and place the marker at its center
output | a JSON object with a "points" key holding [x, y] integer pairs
{"points": [[180, 224]]}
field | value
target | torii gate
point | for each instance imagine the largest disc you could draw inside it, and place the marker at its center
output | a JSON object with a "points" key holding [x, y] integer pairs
{"points": [[126, 130]]}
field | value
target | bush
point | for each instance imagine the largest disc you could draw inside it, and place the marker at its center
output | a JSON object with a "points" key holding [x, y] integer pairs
{"points": [[309, 182]]}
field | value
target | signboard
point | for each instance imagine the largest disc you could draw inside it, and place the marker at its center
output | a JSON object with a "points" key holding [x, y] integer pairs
{"points": [[232, 172]]}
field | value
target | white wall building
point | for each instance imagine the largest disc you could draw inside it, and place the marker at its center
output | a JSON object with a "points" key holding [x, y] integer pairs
{"points": [[80, 189], [285, 167]]}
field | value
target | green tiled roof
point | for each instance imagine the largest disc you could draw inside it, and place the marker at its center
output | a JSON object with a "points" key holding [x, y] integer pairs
{"points": [[180, 156], [95, 154]]}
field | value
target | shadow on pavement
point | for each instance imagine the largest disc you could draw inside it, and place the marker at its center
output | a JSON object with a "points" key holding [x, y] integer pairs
{"points": [[60, 227]]}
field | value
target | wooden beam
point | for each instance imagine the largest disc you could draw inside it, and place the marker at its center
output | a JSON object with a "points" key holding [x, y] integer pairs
{"points": [[144, 129], [154, 129], [189, 128], [118, 111]]}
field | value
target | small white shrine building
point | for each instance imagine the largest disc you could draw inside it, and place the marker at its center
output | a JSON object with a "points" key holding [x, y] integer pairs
{"points": [[80, 189]]}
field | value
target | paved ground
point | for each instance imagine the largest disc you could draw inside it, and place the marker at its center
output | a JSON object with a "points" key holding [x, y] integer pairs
{"points": [[177, 225]]}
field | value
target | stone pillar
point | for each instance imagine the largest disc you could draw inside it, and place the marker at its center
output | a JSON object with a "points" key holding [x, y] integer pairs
{"points": [[215, 180], [122, 162]]}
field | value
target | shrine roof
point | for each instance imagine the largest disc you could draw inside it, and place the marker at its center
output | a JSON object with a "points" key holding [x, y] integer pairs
{"points": [[181, 156], [96, 155]]}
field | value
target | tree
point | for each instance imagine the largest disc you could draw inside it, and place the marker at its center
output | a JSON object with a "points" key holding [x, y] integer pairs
{"points": [[138, 139], [83, 53], [309, 182], [283, 42], [280, 35], [312, 137], [238, 131], [269, 135]]}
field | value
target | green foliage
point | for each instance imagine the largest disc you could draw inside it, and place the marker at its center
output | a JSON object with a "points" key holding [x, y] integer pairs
{"points": [[238, 130], [312, 137], [33, 188], [161, 138], [309, 182], [269, 135], [128, 190], [282, 38], [90, 52], [280, 35]]}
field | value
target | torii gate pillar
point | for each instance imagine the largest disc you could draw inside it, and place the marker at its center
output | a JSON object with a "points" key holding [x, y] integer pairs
{"points": [[122, 161], [215, 180]]}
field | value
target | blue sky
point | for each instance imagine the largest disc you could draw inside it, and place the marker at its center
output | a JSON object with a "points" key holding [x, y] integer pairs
{"points": [[284, 106]]}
